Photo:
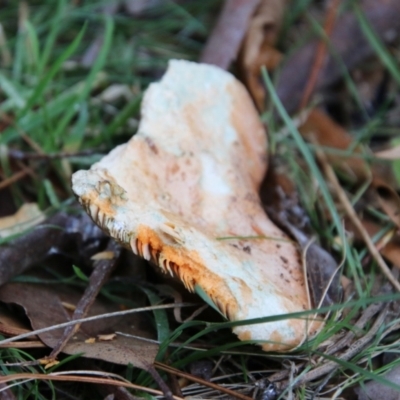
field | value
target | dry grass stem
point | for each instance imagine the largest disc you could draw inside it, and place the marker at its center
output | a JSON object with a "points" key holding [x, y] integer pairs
{"points": [[331, 176], [93, 318]]}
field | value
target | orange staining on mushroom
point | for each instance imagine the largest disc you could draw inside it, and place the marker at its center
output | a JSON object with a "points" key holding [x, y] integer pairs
{"points": [[190, 176]]}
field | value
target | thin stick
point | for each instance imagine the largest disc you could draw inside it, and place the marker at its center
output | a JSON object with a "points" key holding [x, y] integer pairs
{"points": [[101, 272], [14, 178], [320, 54], [330, 174], [75, 378], [354, 349], [203, 382], [29, 344], [20, 155], [93, 318]]}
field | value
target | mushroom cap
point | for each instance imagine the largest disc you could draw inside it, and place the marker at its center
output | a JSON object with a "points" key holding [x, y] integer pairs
{"points": [[183, 193]]}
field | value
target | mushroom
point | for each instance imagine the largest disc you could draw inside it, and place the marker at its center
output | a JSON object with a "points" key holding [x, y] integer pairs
{"points": [[183, 194]]}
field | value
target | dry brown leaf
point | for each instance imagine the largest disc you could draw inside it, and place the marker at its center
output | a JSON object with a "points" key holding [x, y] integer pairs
{"points": [[392, 251], [319, 128], [26, 217], [258, 46], [11, 325], [75, 234], [121, 350]]}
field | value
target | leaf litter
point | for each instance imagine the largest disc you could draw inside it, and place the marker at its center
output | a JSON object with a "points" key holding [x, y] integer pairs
{"points": [[356, 162], [122, 350]]}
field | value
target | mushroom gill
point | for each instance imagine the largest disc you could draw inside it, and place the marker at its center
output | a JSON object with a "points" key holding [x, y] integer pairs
{"points": [[183, 194]]}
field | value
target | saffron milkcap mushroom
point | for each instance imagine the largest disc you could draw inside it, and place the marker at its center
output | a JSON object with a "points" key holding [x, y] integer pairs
{"points": [[183, 194]]}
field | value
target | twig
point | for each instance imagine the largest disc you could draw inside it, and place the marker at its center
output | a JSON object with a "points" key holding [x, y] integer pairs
{"points": [[223, 44], [163, 386], [366, 317], [355, 348], [14, 178], [320, 54], [193, 378], [348, 43], [6, 393], [330, 174], [93, 318], [76, 378], [20, 155], [29, 344], [99, 276]]}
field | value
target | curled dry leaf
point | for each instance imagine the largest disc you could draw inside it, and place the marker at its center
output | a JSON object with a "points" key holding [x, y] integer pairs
{"points": [[258, 46], [189, 177]]}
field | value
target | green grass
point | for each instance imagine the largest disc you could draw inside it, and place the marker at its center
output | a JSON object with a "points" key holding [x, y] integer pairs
{"points": [[52, 104]]}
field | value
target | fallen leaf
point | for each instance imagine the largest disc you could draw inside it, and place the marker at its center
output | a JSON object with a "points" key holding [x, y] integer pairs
{"points": [[11, 325], [76, 236], [25, 218], [319, 128], [122, 350], [258, 46], [391, 251], [388, 199], [378, 390]]}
